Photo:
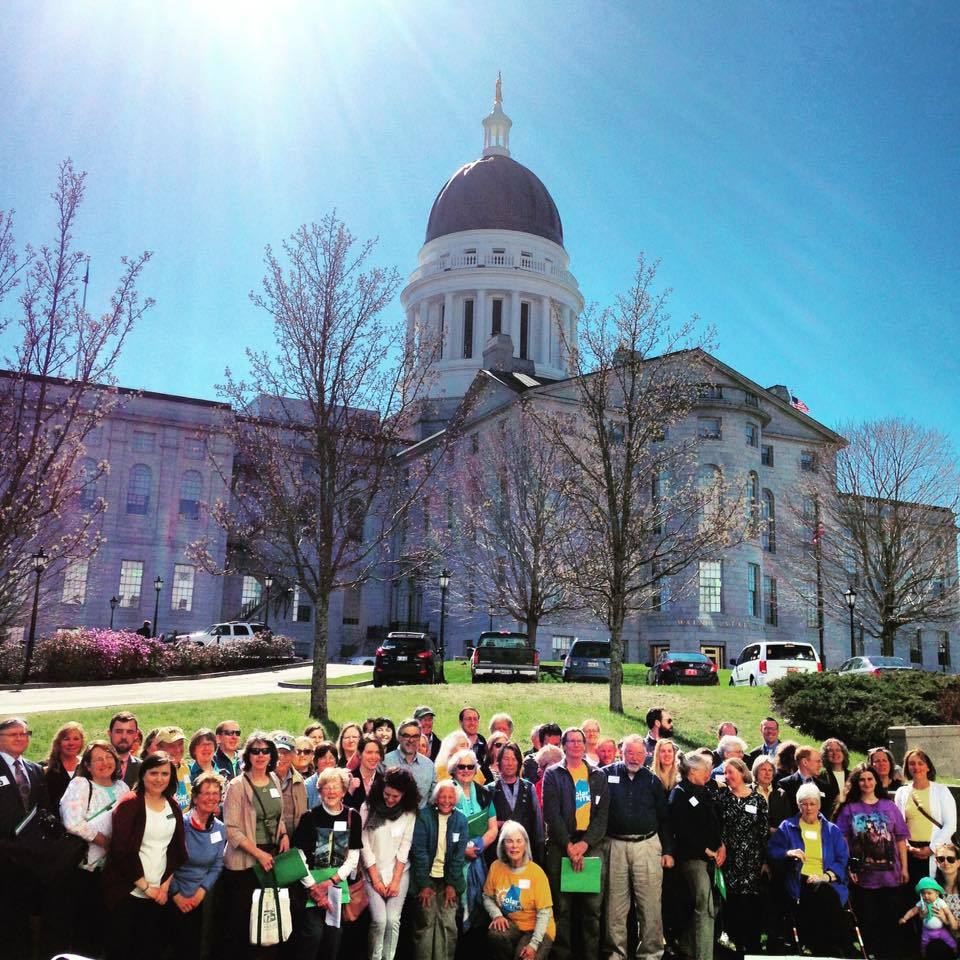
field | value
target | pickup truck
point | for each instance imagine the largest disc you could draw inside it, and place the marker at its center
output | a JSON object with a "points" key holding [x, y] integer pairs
{"points": [[503, 655]]}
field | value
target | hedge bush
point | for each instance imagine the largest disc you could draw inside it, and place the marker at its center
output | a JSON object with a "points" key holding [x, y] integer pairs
{"points": [[858, 709], [85, 654]]}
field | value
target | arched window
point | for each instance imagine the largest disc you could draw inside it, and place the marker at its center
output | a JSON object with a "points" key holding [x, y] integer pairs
{"points": [[769, 523], [709, 482], [191, 490], [138, 490], [87, 494]]}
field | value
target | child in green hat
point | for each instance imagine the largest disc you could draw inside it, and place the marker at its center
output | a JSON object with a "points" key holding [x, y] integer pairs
{"points": [[930, 907]]}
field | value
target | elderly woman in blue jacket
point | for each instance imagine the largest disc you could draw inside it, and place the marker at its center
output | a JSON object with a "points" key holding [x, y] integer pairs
{"points": [[437, 857], [814, 853]]}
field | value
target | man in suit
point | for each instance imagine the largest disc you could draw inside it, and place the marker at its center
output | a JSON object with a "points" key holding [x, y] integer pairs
{"points": [[809, 765], [123, 732], [22, 787], [770, 740]]}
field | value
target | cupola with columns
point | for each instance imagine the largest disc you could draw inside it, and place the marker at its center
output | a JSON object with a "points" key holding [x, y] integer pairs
{"points": [[493, 264]]}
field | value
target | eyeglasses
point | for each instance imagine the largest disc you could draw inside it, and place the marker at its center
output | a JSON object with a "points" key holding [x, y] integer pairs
{"points": [[305, 753], [231, 733], [410, 736], [258, 751], [946, 859], [16, 733], [466, 766]]}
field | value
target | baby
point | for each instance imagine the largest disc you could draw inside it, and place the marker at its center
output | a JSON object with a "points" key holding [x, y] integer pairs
{"points": [[929, 903]]}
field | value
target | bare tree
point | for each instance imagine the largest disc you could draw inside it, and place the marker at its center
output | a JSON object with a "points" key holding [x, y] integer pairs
{"points": [[645, 513], [57, 388], [509, 522], [885, 525], [318, 486]]}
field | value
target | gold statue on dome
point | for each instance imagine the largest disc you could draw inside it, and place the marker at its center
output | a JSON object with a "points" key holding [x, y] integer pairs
{"points": [[498, 96]]}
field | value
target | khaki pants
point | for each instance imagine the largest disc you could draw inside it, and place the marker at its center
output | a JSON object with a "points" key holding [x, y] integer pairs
{"points": [[435, 928], [635, 870], [698, 937]]}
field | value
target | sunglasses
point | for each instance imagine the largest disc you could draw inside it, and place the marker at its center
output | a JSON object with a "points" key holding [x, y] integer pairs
{"points": [[231, 733], [305, 753], [258, 751], [946, 859], [466, 766]]}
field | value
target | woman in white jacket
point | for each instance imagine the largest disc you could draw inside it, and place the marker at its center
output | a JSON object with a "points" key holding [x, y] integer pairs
{"points": [[389, 815], [930, 812]]}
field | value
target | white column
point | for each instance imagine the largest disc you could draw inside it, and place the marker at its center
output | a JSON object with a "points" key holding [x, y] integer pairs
{"points": [[452, 327], [543, 351], [513, 323], [481, 324]]}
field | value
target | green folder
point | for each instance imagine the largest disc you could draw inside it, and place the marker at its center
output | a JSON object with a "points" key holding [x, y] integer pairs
{"points": [[477, 824], [325, 874], [586, 881]]}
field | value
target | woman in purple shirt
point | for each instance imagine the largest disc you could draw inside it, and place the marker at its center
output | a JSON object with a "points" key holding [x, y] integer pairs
{"points": [[877, 836]]}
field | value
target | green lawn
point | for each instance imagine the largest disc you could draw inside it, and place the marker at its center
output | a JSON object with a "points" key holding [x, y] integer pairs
{"points": [[697, 710]]}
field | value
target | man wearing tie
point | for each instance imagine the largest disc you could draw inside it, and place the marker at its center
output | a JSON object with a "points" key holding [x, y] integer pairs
{"points": [[22, 787]]}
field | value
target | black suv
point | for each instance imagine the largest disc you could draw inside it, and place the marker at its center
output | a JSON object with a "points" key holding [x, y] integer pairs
{"points": [[406, 658]]}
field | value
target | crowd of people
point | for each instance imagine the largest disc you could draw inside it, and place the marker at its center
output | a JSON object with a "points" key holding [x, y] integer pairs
{"points": [[580, 845]]}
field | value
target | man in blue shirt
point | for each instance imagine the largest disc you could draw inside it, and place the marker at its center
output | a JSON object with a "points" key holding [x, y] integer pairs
{"points": [[408, 756], [640, 846]]}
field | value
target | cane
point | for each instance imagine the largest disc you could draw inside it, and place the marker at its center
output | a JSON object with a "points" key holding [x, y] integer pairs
{"points": [[856, 928]]}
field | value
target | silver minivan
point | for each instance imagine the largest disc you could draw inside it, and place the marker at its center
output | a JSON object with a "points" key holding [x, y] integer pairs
{"points": [[762, 662]]}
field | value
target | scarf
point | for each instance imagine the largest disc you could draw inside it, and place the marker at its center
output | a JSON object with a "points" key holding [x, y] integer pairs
{"points": [[379, 813]]}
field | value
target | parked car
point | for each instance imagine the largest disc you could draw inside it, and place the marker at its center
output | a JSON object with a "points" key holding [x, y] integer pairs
{"points": [[225, 633], [587, 660], [406, 657], [504, 655], [875, 666], [676, 666], [764, 661]]}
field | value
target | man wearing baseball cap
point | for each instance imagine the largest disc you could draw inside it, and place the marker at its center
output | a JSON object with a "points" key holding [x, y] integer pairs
{"points": [[291, 783], [172, 741], [424, 716]]}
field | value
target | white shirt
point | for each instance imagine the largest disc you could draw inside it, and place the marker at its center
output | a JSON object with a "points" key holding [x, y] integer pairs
{"points": [[157, 835], [86, 809], [388, 843]]}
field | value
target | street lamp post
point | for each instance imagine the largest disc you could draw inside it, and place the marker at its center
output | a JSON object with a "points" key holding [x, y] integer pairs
{"points": [[490, 612], [39, 560], [444, 583], [850, 595], [113, 607], [268, 583], [158, 586]]}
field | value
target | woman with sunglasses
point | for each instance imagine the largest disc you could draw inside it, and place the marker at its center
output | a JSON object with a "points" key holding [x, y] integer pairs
{"points": [[304, 748], [947, 858], [876, 834], [253, 814]]}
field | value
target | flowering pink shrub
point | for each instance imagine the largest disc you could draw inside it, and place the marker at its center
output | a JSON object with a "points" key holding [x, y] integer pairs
{"points": [[90, 654]]}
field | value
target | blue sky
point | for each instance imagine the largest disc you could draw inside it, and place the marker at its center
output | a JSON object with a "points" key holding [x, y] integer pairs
{"points": [[795, 166]]}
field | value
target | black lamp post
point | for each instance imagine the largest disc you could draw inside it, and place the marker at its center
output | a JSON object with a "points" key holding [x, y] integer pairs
{"points": [[850, 595], [268, 583], [490, 612], [113, 607], [444, 583], [39, 561], [158, 586]]}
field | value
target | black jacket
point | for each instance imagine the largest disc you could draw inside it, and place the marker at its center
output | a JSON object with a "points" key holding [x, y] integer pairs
{"points": [[560, 810], [12, 810], [827, 784], [526, 812], [694, 821]]}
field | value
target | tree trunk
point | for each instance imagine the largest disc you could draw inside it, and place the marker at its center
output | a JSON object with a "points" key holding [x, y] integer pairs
{"points": [[616, 668], [532, 623], [318, 680], [887, 637]]}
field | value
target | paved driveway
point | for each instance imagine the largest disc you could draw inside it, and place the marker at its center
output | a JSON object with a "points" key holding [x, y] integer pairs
{"points": [[158, 691]]}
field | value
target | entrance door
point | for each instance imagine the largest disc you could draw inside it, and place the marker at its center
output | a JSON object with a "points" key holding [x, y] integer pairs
{"points": [[656, 649], [715, 651]]}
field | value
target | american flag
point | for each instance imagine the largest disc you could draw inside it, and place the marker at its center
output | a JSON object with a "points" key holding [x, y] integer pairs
{"points": [[798, 404]]}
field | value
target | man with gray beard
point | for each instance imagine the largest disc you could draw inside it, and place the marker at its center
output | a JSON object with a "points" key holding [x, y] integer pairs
{"points": [[640, 847]]}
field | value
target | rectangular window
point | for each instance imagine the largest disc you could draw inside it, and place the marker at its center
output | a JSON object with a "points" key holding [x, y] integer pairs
{"points": [[131, 579], [766, 454], [770, 601], [75, 582], [524, 330], [470, 257], [467, 329], [181, 597], [808, 461], [561, 646], [194, 448], [753, 590], [751, 399], [916, 647], [351, 606], [710, 391], [709, 428], [943, 647], [303, 613], [144, 442], [443, 333], [752, 435], [711, 586], [526, 259], [496, 325], [250, 592]]}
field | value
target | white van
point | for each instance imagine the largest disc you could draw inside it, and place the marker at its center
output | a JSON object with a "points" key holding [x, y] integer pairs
{"points": [[760, 663]]}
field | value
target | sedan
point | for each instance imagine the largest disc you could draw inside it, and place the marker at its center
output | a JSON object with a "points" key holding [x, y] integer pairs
{"points": [[677, 667], [875, 666]]}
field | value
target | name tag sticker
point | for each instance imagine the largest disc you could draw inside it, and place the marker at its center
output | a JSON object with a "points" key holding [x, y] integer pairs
{"points": [[524, 884], [4, 781], [810, 834], [596, 799], [822, 794], [215, 837], [275, 793], [456, 838], [613, 779], [751, 808], [339, 826], [694, 802]]}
